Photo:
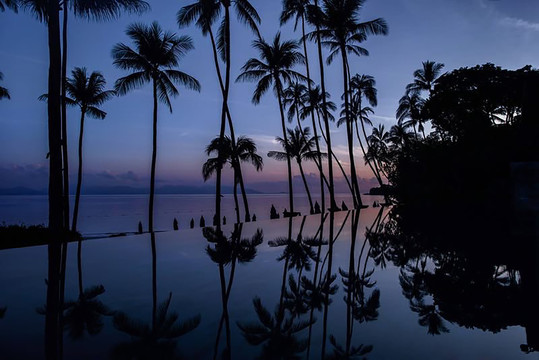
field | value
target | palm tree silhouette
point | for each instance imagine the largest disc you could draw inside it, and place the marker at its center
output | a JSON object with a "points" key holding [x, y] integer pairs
{"points": [[378, 151], [299, 10], [3, 312], [340, 353], [425, 78], [301, 147], [205, 13], [277, 333], [224, 252], [315, 103], [363, 87], [157, 341], [86, 92], [4, 93], [274, 68], [399, 137], [411, 108], [341, 32], [10, 4], [156, 55], [85, 314], [244, 150], [95, 10]]}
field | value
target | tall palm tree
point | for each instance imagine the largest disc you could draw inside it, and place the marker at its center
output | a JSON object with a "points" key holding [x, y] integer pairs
{"points": [[243, 151], [94, 10], [274, 68], [341, 31], [204, 13], [153, 60], [299, 10], [301, 147], [363, 87], [411, 108], [426, 78], [4, 93], [87, 92]]}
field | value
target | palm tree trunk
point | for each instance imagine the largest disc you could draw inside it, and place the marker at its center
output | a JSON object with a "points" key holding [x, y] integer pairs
{"points": [[336, 160], [315, 130], [374, 171], [376, 166], [288, 162], [349, 132], [154, 158], [238, 171], [236, 202], [53, 329], [79, 174], [79, 267], [306, 187], [333, 205], [154, 280], [64, 116]]}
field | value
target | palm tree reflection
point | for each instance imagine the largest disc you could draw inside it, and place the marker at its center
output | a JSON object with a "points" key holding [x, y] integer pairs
{"points": [[276, 332], [158, 339], [155, 341]]}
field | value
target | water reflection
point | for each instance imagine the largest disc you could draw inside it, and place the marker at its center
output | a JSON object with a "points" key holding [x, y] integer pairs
{"points": [[158, 339], [327, 286]]}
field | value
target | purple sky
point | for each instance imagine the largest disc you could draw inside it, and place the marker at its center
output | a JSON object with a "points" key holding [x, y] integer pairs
{"points": [[118, 149]]}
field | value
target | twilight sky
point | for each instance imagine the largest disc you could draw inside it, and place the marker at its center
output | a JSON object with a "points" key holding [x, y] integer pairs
{"points": [[118, 149]]}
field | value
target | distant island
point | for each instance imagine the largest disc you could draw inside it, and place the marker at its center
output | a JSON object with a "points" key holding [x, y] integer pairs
{"points": [[128, 190]]}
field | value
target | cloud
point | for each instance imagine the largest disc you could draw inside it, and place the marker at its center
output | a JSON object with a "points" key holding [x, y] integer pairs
{"points": [[519, 23]]}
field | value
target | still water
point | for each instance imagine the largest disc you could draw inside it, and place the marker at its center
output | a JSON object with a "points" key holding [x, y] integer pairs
{"points": [[349, 285]]}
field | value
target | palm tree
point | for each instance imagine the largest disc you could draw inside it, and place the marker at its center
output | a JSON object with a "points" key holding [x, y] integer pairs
{"points": [[426, 78], [301, 147], [341, 31], [399, 137], [364, 87], [299, 10], [205, 13], [95, 10], [87, 92], [411, 108], [156, 55], [274, 69], [4, 93], [243, 151], [378, 150]]}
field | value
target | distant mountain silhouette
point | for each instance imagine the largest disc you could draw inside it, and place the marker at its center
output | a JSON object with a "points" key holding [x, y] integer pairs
{"points": [[127, 190]]}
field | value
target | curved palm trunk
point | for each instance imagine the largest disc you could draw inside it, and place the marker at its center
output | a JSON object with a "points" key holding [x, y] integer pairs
{"points": [[333, 205], [337, 160], [288, 162], [306, 187], [236, 202], [374, 171], [154, 158], [79, 174], [349, 132], [315, 130]]}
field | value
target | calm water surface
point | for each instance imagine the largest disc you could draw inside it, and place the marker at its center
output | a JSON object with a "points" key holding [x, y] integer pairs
{"points": [[259, 291]]}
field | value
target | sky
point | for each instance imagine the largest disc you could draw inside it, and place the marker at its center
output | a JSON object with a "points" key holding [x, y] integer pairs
{"points": [[117, 150]]}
